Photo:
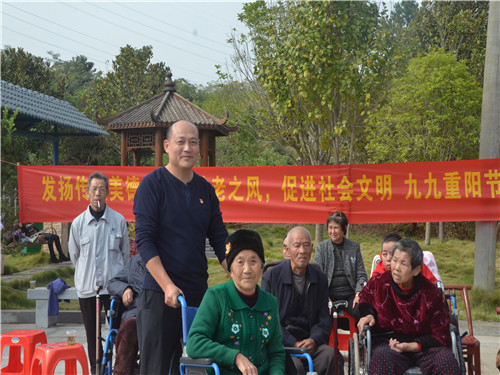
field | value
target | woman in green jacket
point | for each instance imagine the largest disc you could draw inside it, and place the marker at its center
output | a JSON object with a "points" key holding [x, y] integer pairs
{"points": [[237, 323]]}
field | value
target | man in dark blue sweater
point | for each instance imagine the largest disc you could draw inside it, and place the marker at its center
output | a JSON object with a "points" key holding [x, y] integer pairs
{"points": [[175, 211]]}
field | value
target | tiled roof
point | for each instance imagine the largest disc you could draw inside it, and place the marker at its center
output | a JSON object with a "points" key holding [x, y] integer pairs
{"points": [[162, 111], [46, 108]]}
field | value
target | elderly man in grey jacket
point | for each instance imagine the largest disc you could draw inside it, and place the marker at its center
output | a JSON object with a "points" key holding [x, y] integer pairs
{"points": [[340, 259]]}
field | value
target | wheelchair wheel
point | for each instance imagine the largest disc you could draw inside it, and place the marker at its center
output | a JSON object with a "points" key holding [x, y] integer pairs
{"points": [[350, 358], [353, 355]]}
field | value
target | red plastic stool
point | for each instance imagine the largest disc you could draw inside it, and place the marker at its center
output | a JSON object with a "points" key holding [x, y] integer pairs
{"points": [[21, 339], [47, 357]]}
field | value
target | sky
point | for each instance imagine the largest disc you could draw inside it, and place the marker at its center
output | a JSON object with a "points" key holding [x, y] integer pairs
{"points": [[189, 37]]}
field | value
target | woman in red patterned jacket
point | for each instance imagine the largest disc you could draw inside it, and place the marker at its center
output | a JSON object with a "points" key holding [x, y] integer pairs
{"points": [[410, 313]]}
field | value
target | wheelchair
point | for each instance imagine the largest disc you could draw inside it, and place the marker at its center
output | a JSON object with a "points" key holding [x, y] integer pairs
{"points": [[360, 346], [106, 367], [198, 366]]}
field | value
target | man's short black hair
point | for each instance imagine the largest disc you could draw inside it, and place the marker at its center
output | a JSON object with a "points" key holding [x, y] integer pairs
{"points": [[391, 237]]}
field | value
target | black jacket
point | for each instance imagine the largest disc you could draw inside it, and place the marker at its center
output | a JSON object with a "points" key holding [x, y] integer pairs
{"points": [[278, 281], [130, 275]]}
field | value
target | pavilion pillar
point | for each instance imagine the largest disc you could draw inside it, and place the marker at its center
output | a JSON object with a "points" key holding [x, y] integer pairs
{"points": [[137, 157], [211, 151], [123, 145], [204, 140], [159, 147]]}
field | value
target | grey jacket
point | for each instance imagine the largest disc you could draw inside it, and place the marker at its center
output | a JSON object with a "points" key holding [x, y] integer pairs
{"points": [[353, 262], [130, 276]]}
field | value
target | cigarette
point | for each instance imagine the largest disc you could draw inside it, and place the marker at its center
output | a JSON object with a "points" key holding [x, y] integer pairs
{"points": [[98, 204]]}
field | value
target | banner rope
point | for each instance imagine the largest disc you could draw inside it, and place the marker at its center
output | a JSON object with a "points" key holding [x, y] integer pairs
{"points": [[8, 162]]}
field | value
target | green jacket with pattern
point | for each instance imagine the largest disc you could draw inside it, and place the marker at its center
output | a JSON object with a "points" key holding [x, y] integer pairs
{"points": [[225, 326]]}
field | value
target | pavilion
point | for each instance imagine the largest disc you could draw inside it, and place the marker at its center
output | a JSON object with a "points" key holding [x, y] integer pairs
{"points": [[143, 127]]}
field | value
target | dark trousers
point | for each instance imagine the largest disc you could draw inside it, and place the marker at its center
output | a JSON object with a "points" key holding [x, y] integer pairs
{"points": [[323, 362], [433, 361], [88, 309], [51, 238], [127, 348], [159, 330]]}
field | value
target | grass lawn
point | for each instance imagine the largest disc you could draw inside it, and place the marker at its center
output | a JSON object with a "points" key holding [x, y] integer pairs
{"points": [[455, 260]]}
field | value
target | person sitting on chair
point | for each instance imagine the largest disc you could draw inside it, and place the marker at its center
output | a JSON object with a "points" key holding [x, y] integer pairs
{"points": [[302, 293], [384, 263], [411, 311], [238, 323], [126, 284]]}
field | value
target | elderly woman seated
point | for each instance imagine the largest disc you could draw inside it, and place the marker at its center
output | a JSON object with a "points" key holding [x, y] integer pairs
{"points": [[237, 322], [410, 313]]}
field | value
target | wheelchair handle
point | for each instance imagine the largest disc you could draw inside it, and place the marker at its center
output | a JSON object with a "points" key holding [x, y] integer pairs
{"points": [[182, 300], [337, 304]]}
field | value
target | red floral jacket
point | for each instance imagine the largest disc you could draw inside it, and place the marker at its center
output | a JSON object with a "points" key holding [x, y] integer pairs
{"points": [[417, 316]]}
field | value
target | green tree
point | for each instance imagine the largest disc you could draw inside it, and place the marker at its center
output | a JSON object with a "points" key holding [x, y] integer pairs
{"points": [[133, 80], [460, 27], [26, 70], [322, 67], [245, 146], [72, 76], [189, 91], [432, 114], [404, 12], [13, 151]]}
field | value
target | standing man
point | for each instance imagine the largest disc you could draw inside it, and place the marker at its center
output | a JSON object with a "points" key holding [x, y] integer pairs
{"points": [[175, 211], [302, 293], [98, 247]]}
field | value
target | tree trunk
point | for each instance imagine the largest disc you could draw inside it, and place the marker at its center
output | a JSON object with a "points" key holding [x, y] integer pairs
{"points": [[319, 233], [486, 231], [427, 233], [441, 231]]}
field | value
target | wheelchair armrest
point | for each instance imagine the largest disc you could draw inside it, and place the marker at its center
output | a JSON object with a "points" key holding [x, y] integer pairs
{"points": [[197, 361], [293, 350]]}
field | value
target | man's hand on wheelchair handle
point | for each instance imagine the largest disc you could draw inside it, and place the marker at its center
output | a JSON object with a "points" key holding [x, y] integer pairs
{"points": [[369, 319], [244, 365], [171, 294]]}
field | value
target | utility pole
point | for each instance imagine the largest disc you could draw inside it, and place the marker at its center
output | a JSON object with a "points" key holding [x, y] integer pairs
{"points": [[486, 231]]}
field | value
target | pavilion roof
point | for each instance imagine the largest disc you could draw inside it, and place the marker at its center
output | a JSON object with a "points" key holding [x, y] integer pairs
{"points": [[163, 110]]}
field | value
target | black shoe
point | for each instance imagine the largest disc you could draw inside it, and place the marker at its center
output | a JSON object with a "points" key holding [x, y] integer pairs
{"points": [[63, 258], [54, 260]]}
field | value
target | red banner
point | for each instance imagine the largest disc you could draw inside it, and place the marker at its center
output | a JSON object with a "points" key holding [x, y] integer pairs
{"points": [[370, 193]]}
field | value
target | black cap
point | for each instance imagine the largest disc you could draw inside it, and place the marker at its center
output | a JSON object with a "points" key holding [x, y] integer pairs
{"points": [[243, 239]]}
